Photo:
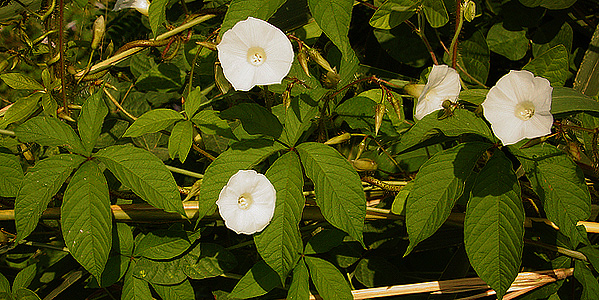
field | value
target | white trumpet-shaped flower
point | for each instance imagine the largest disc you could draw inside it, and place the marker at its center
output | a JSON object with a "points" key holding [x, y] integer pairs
{"points": [[518, 107], [443, 84], [140, 5], [254, 52], [247, 202]]}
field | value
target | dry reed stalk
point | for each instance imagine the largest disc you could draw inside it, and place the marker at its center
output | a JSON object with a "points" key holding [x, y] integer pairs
{"points": [[525, 281]]}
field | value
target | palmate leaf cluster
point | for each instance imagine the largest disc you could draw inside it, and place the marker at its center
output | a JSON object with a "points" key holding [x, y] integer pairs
{"points": [[95, 163]]}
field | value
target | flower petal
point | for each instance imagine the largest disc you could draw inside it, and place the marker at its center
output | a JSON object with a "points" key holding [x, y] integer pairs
{"points": [[443, 84]]}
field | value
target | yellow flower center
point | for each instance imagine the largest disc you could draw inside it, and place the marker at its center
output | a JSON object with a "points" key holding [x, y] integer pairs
{"points": [[256, 56], [244, 201], [524, 110]]}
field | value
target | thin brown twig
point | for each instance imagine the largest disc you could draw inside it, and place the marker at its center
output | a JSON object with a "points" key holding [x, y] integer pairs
{"points": [[203, 152]]}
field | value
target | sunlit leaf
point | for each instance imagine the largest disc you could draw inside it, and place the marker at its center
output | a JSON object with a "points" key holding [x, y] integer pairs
{"points": [[494, 224], [438, 185], [90, 120], [327, 279], [255, 119], [19, 81], [41, 183], [337, 187], [86, 218], [551, 65], [48, 131], [335, 25], [12, 175], [181, 291], [300, 283], [511, 44], [24, 278], [259, 280], [162, 244], [153, 121], [180, 141], [135, 288], [280, 243], [435, 12], [157, 14], [240, 10], [143, 173]]}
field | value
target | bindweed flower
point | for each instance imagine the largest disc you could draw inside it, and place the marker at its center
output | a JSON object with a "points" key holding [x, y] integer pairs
{"points": [[140, 5], [247, 202], [443, 84], [254, 52], [518, 107]]}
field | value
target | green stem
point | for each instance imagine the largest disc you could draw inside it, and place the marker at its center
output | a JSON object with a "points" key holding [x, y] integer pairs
{"points": [[184, 172], [7, 132], [453, 48]]}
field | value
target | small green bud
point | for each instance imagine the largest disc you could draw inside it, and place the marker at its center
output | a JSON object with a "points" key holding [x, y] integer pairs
{"points": [[317, 57], [379, 113], [469, 10], [99, 29], [338, 139], [414, 90], [365, 164]]}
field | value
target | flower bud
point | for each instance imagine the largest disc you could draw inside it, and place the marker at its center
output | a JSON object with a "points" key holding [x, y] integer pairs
{"points": [[317, 57], [365, 164], [209, 45], [414, 90], [99, 29], [397, 105], [302, 57], [338, 139], [469, 10], [287, 98], [379, 113], [330, 80]]}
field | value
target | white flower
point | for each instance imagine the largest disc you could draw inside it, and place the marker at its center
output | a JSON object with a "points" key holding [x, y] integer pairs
{"points": [[247, 202], [254, 52], [518, 107], [443, 84], [140, 5]]}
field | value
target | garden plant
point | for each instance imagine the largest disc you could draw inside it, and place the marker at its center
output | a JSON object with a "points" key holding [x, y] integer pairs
{"points": [[299, 149]]}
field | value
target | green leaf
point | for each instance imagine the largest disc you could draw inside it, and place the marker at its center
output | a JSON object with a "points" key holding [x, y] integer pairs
{"points": [[552, 65], [153, 121], [135, 288], [210, 123], [159, 272], [494, 224], [181, 291], [49, 104], [359, 113], [298, 119], [259, 280], [240, 10], [86, 218], [143, 173], [162, 244], [560, 184], [41, 183], [116, 267], [48, 131], [511, 44], [329, 282], [24, 278], [300, 283], [12, 175], [393, 13], [164, 77], [592, 254], [550, 4], [208, 260], [460, 122], [376, 271], [21, 109], [280, 243], [157, 14], [338, 187], [568, 100], [25, 294], [19, 81], [4, 284], [90, 120], [255, 119], [333, 17], [545, 37], [590, 286], [179, 143], [473, 56], [400, 201], [435, 12], [241, 156], [438, 185], [122, 241], [194, 102], [474, 96], [403, 45], [324, 241]]}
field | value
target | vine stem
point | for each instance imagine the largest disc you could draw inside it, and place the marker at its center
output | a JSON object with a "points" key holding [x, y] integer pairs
{"points": [[61, 52], [120, 56], [184, 172], [458, 28]]}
